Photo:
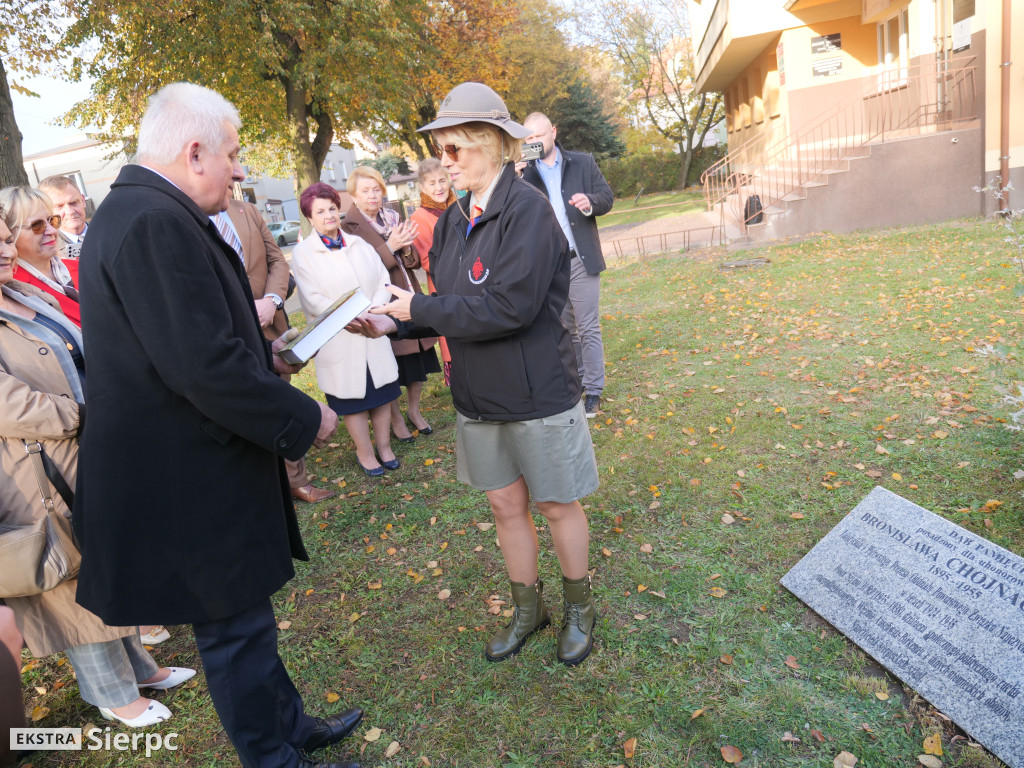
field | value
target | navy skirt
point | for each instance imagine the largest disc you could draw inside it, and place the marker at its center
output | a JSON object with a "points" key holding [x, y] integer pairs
{"points": [[373, 398]]}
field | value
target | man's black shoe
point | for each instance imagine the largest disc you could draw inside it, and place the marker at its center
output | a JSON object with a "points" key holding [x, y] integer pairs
{"points": [[307, 763], [332, 730]]}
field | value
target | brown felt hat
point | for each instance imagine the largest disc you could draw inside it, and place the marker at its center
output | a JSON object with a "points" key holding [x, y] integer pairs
{"points": [[475, 103]]}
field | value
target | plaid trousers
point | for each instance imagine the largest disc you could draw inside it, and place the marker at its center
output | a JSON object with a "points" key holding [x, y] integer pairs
{"points": [[108, 672]]}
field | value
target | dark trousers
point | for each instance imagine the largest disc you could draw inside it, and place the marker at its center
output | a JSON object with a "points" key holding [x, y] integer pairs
{"points": [[255, 699]]}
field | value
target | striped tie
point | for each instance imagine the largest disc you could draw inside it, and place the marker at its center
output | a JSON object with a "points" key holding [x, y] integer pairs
{"points": [[228, 233], [477, 210]]}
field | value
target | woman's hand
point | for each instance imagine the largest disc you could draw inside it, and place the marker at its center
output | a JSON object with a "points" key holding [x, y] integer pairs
{"points": [[399, 308], [402, 236], [371, 326]]}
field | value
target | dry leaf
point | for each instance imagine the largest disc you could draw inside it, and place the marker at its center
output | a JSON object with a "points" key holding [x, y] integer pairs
{"points": [[332, 697], [726, 658], [791, 662], [484, 526], [731, 755], [933, 744], [425, 761], [444, 594], [787, 736], [355, 617], [928, 761], [38, 713], [797, 516], [819, 736], [697, 713], [606, 552], [646, 548], [641, 587], [844, 760], [897, 476], [392, 749], [284, 624], [880, 450], [375, 584], [629, 748], [718, 592], [728, 519], [940, 435], [881, 696], [373, 734]]}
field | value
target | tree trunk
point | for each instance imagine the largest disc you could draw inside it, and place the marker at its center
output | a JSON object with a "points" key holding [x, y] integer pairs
{"points": [[307, 170], [687, 155], [12, 167]]}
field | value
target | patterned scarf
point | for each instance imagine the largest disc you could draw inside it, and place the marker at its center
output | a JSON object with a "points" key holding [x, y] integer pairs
{"points": [[428, 203], [385, 221], [333, 244]]}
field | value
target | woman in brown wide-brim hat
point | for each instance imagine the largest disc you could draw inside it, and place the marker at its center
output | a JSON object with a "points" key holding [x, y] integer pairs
{"points": [[500, 264]]}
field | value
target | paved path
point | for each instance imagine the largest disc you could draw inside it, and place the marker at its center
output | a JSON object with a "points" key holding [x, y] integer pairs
{"points": [[625, 241]]}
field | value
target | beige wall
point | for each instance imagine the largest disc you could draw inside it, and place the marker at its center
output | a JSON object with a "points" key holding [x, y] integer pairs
{"points": [[989, 17]]}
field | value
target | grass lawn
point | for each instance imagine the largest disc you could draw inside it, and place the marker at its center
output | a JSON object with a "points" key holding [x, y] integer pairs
{"points": [[757, 393], [629, 210]]}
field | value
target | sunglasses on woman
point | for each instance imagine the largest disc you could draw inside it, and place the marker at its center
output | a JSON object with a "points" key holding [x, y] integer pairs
{"points": [[440, 150], [39, 225]]}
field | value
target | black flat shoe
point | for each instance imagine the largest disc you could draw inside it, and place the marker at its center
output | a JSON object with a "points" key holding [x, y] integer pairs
{"points": [[332, 729], [393, 464], [409, 439], [427, 430], [375, 472]]}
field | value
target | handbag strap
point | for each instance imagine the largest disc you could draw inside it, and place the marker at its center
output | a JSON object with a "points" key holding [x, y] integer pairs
{"points": [[46, 472]]}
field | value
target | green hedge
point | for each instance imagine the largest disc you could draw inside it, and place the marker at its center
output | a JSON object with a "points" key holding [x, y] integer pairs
{"points": [[655, 172]]}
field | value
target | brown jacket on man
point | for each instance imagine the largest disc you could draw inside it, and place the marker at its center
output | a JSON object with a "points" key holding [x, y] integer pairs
{"points": [[265, 265]]}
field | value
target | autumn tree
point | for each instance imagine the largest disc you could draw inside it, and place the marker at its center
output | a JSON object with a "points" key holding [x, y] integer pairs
{"points": [[28, 47], [300, 72], [650, 43]]}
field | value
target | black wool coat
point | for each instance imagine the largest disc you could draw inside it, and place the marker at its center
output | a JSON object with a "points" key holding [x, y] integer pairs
{"points": [[580, 174], [182, 505]]}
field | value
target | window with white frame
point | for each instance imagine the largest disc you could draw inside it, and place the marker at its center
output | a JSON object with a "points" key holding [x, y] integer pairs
{"points": [[894, 45]]}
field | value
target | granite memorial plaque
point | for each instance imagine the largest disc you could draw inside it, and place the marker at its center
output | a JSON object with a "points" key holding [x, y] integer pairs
{"points": [[938, 606]]}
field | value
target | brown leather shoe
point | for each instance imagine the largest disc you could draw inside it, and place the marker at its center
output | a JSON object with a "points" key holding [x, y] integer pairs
{"points": [[311, 494]]}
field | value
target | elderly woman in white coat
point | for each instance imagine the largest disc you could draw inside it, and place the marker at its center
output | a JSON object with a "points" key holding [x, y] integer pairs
{"points": [[41, 406], [358, 375]]}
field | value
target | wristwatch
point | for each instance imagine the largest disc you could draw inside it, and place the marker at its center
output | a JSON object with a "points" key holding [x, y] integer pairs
{"points": [[276, 299]]}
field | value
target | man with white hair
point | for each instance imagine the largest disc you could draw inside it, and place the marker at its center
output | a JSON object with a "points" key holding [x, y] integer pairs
{"points": [[69, 204], [183, 510]]}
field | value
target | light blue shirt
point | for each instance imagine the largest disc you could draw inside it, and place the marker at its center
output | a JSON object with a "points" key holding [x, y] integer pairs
{"points": [[551, 175]]}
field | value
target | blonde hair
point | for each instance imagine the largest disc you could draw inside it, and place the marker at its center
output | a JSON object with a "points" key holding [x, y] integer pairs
{"points": [[58, 184], [364, 172], [18, 203], [497, 146]]}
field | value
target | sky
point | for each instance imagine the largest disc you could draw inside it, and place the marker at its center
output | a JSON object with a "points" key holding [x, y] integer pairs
{"points": [[36, 116]]}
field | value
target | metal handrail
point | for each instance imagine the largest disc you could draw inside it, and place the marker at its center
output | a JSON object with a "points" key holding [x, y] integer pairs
{"points": [[937, 96]]}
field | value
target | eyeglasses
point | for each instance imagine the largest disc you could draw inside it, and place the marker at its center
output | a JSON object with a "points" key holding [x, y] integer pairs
{"points": [[39, 225], [440, 150]]}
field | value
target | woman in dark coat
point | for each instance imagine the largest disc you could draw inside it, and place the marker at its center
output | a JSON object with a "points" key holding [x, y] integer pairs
{"points": [[501, 267]]}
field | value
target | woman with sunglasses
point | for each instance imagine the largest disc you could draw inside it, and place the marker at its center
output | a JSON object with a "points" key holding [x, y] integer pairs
{"points": [[500, 264], [29, 215]]}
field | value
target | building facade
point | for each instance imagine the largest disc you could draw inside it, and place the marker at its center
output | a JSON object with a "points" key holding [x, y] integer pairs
{"points": [[848, 114]]}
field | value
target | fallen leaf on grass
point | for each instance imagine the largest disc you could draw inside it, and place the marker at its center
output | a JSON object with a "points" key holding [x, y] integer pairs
{"points": [[718, 592], [355, 617], [629, 748], [938, 434], [332, 697], [726, 658], [374, 584], [791, 662], [844, 760], [897, 476], [697, 713], [787, 736], [928, 761], [641, 587], [373, 734], [933, 744], [819, 736], [606, 552], [38, 713], [728, 519], [284, 624], [444, 594], [392, 749], [797, 516], [647, 548], [731, 755], [485, 526], [881, 696], [880, 450]]}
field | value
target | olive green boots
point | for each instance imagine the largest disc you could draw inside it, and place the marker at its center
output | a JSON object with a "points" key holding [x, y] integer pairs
{"points": [[529, 615], [577, 635]]}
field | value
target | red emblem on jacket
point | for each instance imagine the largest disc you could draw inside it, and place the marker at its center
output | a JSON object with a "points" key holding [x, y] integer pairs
{"points": [[478, 269]]}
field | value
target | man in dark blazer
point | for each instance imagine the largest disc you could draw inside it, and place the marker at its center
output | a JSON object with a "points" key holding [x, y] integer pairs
{"points": [[182, 510], [267, 270], [578, 194]]}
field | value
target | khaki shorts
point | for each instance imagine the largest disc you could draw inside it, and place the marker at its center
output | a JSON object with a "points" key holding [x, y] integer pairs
{"points": [[554, 455]]}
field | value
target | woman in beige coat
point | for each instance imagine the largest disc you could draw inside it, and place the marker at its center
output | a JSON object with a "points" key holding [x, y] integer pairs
{"points": [[41, 402], [359, 376]]}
